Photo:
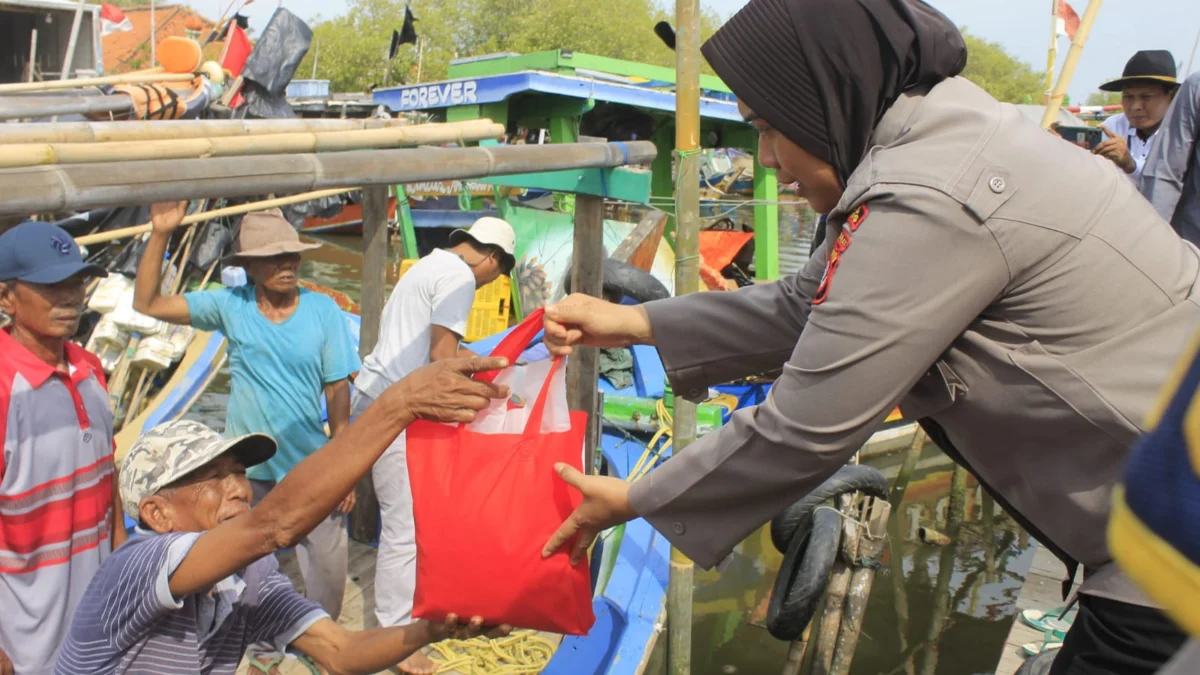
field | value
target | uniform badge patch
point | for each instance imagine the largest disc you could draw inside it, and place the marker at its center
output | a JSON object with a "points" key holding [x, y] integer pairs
{"points": [[840, 245]]}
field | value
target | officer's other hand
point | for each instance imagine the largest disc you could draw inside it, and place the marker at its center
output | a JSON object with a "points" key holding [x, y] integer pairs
{"points": [[444, 391], [605, 504], [584, 320]]}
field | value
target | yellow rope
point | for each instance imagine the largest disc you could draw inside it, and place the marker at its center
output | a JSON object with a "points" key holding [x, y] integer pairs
{"points": [[519, 653]]}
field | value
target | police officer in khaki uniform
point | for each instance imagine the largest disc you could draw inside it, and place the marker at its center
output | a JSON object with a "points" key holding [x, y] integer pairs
{"points": [[1005, 287]]}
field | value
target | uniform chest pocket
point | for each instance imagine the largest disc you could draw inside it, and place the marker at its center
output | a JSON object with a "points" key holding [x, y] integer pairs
{"points": [[936, 391], [1074, 391]]}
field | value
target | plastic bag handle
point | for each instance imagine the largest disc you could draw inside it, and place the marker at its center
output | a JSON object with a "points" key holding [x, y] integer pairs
{"points": [[515, 343], [533, 425]]}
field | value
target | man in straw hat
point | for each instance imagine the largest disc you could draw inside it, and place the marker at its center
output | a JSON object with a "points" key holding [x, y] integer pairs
{"points": [[57, 479], [199, 584], [1147, 86], [287, 347], [424, 320]]}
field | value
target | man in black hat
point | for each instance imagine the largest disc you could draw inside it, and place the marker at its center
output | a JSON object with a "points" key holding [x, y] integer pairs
{"points": [[1147, 87]]}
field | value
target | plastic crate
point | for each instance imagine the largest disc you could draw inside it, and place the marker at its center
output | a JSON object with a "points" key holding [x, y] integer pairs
{"points": [[490, 311]]}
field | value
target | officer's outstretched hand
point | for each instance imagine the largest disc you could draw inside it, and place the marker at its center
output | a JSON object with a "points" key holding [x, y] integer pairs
{"points": [[584, 320], [605, 504]]}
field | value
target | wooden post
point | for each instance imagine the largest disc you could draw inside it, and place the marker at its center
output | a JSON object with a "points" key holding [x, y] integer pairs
{"points": [[870, 550], [587, 276], [365, 518], [32, 54], [69, 57]]}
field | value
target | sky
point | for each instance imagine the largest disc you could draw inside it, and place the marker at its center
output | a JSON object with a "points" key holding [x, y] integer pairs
{"points": [[1022, 26]]}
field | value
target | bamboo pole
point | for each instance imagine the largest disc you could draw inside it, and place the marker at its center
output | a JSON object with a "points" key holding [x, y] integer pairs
{"points": [[153, 130], [34, 154], [19, 107], [78, 82], [1052, 54], [836, 591], [687, 280], [1068, 69], [33, 37], [78, 187], [204, 216]]}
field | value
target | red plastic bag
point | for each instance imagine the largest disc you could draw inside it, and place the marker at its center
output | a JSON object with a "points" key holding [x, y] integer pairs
{"points": [[486, 503]]}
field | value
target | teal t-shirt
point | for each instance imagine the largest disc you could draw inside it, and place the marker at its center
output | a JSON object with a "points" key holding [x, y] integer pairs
{"points": [[279, 371]]}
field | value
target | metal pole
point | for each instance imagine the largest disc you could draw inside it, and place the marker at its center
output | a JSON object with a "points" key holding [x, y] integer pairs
{"points": [[1068, 69], [69, 58], [1052, 58], [687, 280]]}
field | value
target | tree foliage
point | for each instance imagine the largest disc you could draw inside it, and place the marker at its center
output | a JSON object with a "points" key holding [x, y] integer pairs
{"points": [[1104, 98], [351, 50], [999, 73]]}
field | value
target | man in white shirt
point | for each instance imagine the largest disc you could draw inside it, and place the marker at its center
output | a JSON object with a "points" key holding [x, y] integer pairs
{"points": [[424, 320], [1147, 86]]}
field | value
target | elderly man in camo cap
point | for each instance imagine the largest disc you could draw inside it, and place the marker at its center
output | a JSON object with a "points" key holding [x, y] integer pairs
{"points": [[200, 584]]}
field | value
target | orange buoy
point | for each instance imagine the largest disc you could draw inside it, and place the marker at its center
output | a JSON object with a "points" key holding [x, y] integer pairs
{"points": [[179, 54]]}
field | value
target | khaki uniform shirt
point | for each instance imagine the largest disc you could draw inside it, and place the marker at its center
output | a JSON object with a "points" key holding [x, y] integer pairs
{"points": [[980, 272]]}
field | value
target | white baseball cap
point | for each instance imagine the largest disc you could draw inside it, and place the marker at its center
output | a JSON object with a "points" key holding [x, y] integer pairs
{"points": [[491, 231]]}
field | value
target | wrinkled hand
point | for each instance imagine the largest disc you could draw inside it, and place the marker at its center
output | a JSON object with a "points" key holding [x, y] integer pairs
{"points": [[452, 629], [348, 503], [6, 664], [165, 217], [1116, 150], [584, 320], [605, 504], [443, 391]]}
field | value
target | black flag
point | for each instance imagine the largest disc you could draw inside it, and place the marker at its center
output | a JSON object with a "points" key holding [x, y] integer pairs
{"points": [[406, 35]]}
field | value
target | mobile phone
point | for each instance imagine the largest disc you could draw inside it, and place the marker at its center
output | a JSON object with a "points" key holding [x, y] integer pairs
{"points": [[1084, 137]]}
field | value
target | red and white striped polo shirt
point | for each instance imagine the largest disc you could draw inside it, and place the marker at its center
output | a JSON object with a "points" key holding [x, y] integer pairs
{"points": [[56, 475]]}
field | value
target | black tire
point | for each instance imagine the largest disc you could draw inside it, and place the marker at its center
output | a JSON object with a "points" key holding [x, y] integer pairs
{"points": [[803, 576], [797, 518], [622, 279]]}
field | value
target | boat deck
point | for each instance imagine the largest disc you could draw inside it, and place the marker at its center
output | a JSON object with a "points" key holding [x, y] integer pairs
{"points": [[358, 607], [1042, 590]]}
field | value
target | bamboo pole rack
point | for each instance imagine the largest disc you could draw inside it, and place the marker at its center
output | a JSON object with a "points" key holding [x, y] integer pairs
{"points": [[153, 130], [33, 105], [204, 216], [36, 154], [64, 187], [80, 82]]}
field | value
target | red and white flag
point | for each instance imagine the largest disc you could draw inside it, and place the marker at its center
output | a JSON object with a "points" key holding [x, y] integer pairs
{"points": [[1068, 20], [113, 20]]}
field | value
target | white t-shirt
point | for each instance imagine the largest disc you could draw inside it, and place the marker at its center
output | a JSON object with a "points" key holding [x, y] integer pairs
{"points": [[438, 290], [1138, 149]]}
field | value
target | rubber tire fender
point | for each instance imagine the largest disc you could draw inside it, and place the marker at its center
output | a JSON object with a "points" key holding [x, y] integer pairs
{"points": [[796, 519], [803, 576], [622, 279]]}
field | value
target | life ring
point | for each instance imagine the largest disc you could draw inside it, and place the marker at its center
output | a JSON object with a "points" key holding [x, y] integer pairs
{"points": [[810, 538], [624, 280]]}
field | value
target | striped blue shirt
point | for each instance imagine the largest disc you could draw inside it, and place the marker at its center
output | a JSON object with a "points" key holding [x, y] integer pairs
{"points": [[128, 621]]}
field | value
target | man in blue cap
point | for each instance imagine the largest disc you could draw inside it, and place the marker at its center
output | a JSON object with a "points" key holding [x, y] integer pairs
{"points": [[57, 478]]}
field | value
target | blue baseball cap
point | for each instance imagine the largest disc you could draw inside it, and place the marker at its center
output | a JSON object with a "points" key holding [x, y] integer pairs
{"points": [[41, 253]]}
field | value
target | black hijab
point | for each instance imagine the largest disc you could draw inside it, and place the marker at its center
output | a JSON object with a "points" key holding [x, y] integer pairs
{"points": [[823, 72]]}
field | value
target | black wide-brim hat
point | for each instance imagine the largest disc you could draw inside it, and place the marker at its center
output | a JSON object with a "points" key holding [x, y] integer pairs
{"points": [[1154, 65]]}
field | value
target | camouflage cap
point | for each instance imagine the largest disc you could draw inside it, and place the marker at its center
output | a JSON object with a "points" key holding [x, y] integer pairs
{"points": [[172, 450]]}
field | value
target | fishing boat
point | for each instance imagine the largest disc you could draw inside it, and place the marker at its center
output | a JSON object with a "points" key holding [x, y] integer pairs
{"points": [[348, 221]]}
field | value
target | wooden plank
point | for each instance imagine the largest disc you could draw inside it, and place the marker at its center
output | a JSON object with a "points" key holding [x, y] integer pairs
{"points": [[1043, 591], [587, 276], [641, 246], [365, 518]]}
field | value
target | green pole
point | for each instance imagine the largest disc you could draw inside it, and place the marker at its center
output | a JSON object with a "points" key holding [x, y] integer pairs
{"points": [[766, 223]]}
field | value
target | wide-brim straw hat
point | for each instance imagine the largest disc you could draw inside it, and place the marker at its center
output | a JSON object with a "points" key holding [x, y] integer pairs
{"points": [[267, 233], [1154, 65]]}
